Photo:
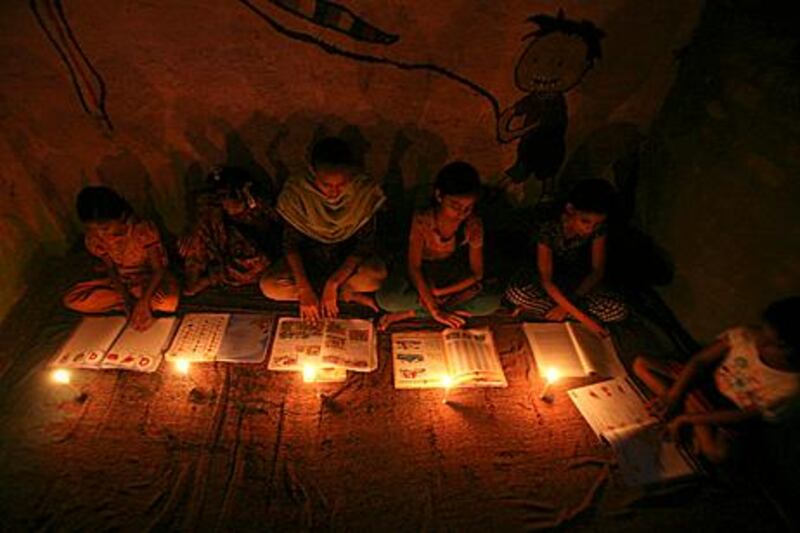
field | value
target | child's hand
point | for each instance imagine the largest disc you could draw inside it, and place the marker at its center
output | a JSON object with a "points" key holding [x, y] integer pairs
{"points": [[557, 314], [309, 306], [450, 320], [330, 295], [141, 317]]}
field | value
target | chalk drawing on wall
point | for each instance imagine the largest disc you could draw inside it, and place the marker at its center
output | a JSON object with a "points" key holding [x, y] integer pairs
{"points": [[261, 8], [338, 18], [86, 80], [560, 54]]}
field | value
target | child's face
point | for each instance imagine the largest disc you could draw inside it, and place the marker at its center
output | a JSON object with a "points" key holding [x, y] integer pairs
{"points": [[553, 63], [582, 223], [108, 228], [332, 182], [457, 207]]}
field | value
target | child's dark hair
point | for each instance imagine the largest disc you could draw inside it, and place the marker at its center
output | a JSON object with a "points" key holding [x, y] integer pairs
{"points": [[458, 178], [784, 316], [331, 152], [593, 196], [101, 204]]}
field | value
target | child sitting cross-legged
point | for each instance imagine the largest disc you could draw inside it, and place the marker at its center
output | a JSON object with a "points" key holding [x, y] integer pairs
{"points": [[567, 279], [137, 280], [746, 374], [443, 277]]}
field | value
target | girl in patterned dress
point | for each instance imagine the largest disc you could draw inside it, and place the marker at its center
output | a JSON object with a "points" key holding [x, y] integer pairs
{"points": [[570, 264], [138, 281], [232, 237], [746, 374], [444, 275]]}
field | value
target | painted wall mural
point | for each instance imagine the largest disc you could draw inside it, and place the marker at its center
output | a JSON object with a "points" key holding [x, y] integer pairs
{"points": [[558, 57], [89, 86]]}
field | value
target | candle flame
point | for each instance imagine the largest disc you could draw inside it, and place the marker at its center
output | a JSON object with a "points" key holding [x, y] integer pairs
{"points": [[61, 375], [552, 375], [447, 381], [309, 373], [182, 366]]}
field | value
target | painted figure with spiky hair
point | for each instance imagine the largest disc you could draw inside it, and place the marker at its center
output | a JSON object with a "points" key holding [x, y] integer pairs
{"points": [[555, 61]]}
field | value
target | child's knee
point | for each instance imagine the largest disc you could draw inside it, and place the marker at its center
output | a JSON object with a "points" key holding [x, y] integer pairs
{"points": [[167, 304], [277, 288]]}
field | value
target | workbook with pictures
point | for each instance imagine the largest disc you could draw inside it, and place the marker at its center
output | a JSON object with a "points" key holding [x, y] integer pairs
{"points": [[222, 337], [572, 350], [109, 342], [331, 343], [462, 357], [615, 410]]}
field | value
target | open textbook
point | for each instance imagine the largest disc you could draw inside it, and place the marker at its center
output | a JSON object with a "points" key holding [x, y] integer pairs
{"points": [[425, 359], [615, 410], [106, 343], [331, 343], [224, 337], [573, 350]]}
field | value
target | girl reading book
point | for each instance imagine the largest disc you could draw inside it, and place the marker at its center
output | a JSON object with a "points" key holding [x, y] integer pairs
{"points": [[231, 238], [570, 263], [443, 277]]}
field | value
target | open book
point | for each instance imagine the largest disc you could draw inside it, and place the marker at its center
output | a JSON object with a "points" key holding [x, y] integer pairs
{"points": [[229, 338], [332, 343], [615, 410], [573, 350], [106, 343], [425, 359]]}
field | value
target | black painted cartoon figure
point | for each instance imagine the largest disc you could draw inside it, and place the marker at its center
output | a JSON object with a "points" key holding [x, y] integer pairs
{"points": [[557, 59]]}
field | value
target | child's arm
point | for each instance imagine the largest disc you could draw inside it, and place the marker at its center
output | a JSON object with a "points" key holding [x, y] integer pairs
{"points": [[544, 260], [708, 357], [364, 247], [505, 131], [426, 298], [127, 299], [142, 317], [598, 267], [307, 298]]}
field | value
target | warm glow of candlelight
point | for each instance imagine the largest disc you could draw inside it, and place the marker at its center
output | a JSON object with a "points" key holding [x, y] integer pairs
{"points": [[309, 373], [447, 381], [61, 375], [552, 375], [182, 366]]}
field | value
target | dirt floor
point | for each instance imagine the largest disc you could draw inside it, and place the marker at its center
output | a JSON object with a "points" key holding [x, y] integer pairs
{"points": [[240, 448]]}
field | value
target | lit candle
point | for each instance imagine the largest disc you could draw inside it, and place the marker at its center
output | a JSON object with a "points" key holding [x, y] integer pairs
{"points": [[551, 375], [182, 366], [62, 376], [309, 373], [447, 383]]}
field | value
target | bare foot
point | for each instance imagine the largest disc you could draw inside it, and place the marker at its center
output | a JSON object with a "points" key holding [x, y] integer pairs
{"points": [[363, 298], [390, 318]]}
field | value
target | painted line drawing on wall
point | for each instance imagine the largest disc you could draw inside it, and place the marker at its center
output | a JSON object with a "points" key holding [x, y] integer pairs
{"points": [[86, 80], [338, 18], [556, 60], [261, 9]]}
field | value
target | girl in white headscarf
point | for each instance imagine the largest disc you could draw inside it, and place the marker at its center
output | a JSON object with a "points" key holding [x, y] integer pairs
{"points": [[329, 236]]}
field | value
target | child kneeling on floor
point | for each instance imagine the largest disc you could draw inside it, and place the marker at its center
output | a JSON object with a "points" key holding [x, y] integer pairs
{"points": [[747, 374]]}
